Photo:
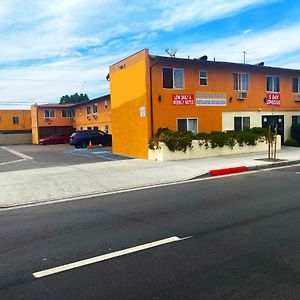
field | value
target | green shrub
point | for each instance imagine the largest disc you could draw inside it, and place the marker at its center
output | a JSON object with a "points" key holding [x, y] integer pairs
{"points": [[181, 141], [292, 143]]}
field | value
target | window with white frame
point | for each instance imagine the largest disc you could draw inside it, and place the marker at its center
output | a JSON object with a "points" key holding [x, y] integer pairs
{"points": [[203, 77], [273, 84], [241, 123], [106, 128], [173, 78], [241, 81], [67, 113], [295, 120], [105, 104], [95, 108], [49, 113], [188, 124], [296, 84], [88, 109]]}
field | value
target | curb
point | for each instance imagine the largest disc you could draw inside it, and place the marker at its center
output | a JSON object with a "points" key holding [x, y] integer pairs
{"points": [[233, 170]]}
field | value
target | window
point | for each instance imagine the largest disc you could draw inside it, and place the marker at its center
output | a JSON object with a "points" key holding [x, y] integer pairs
{"points": [[88, 109], [173, 78], [106, 128], [49, 113], [95, 108], [89, 128], [295, 120], [241, 81], [203, 77], [68, 113], [187, 125], [80, 110], [0, 119], [95, 127], [296, 85], [273, 84], [15, 120], [105, 104], [241, 123]]}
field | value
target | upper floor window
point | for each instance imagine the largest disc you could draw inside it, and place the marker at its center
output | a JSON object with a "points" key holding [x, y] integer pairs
{"points": [[241, 81], [203, 77], [15, 120], [67, 113], [105, 104], [88, 109], [273, 84], [80, 110], [49, 113], [95, 108], [296, 85], [173, 78]]}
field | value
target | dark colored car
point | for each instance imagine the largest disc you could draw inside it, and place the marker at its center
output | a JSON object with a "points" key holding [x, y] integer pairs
{"points": [[82, 138], [55, 139]]}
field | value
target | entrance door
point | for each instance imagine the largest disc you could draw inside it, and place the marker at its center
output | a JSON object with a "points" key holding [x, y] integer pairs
{"points": [[273, 121]]}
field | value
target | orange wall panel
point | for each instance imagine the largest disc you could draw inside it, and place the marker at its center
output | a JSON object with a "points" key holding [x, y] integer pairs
{"points": [[6, 120]]}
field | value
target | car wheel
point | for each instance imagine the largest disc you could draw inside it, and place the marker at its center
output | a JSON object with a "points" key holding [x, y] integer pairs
{"points": [[77, 146], [83, 144], [46, 143]]}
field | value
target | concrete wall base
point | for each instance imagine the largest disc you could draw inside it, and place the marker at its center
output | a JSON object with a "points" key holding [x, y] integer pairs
{"points": [[164, 154]]}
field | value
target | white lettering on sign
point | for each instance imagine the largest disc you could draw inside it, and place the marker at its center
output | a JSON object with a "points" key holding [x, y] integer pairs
{"points": [[211, 99], [183, 99]]}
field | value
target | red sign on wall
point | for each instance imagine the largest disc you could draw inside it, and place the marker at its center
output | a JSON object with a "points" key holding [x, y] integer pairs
{"points": [[273, 99], [183, 99]]}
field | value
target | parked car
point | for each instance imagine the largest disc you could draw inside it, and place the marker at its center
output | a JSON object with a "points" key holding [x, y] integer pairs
{"points": [[82, 138], [55, 139]]}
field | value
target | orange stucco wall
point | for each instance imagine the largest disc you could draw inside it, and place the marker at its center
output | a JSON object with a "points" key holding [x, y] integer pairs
{"points": [[129, 82], [220, 80], [101, 119], [6, 120]]}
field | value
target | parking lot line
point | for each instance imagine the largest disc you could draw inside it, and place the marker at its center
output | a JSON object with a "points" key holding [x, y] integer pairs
{"points": [[17, 153]]}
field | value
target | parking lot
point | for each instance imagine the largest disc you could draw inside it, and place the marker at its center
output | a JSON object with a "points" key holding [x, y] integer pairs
{"points": [[23, 157]]}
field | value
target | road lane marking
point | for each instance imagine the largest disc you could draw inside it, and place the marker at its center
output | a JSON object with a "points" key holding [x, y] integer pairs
{"points": [[100, 258], [17, 153]]}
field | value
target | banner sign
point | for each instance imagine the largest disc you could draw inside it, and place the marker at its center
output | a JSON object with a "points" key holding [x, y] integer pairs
{"points": [[273, 99], [210, 99], [183, 99]]}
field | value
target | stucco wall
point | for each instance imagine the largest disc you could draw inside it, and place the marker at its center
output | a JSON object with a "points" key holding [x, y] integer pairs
{"points": [[164, 154]]}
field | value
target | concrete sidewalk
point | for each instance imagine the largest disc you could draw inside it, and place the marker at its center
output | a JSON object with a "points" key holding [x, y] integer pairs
{"points": [[57, 183]]}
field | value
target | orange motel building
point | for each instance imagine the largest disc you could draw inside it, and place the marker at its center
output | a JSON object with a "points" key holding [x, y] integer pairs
{"points": [[149, 92], [15, 121], [53, 119]]}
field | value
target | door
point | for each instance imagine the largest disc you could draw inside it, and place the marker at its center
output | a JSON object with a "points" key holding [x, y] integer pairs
{"points": [[273, 121]]}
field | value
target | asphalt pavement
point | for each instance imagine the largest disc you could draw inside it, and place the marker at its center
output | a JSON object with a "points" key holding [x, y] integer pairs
{"points": [[243, 242]]}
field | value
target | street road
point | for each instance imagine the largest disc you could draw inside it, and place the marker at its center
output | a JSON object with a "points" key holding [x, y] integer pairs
{"points": [[234, 237]]}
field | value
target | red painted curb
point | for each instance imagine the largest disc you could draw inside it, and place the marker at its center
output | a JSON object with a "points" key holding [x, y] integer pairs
{"points": [[228, 171]]}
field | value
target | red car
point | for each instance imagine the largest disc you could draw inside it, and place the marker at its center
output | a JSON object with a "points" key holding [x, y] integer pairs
{"points": [[55, 139]]}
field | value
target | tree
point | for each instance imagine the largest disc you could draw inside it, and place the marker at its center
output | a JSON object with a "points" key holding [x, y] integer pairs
{"points": [[74, 98]]}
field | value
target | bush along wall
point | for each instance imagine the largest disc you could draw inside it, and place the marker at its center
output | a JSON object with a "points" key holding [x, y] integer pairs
{"points": [[181, 141]]}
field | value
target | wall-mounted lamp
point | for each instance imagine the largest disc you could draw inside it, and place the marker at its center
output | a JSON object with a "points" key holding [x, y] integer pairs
{"points": [[230, 99], [159, 98], [265, 100]]}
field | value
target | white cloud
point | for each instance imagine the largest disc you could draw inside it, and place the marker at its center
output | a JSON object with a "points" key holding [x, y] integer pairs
{"points": [[260, 46]]}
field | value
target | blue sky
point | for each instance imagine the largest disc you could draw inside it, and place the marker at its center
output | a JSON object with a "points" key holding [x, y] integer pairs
{"points": [[52, 48]]}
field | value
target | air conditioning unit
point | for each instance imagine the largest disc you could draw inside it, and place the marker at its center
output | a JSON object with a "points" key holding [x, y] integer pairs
{"points": [[297, 99], [242, 95], [95, 116]]}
